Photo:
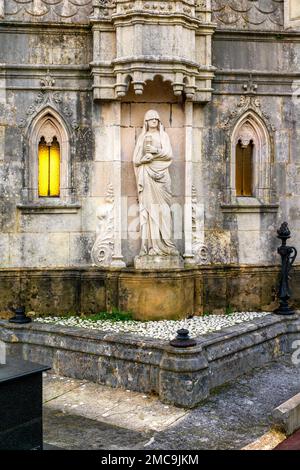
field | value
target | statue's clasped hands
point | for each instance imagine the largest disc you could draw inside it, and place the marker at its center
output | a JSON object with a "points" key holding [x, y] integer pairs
{"points": [[149, 155], [146, 159]]}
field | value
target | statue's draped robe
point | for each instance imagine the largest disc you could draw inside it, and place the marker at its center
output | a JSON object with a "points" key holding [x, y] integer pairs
{"points": [[154, 188]]}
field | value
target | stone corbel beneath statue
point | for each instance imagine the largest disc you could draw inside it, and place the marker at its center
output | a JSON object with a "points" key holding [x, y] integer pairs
{"points": [[181, 84]]}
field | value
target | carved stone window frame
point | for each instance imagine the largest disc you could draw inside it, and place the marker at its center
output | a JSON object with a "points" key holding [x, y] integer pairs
{"points": [[247, 124], [250, 127], [47, 121]]}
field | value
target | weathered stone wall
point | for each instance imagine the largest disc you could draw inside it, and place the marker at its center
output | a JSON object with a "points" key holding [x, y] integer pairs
{"points": [[45, 56], [148, 295], [44, 67], [262, 67]]}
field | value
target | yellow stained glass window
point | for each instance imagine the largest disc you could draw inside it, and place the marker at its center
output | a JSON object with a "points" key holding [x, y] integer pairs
{"points": [[49, 168]]}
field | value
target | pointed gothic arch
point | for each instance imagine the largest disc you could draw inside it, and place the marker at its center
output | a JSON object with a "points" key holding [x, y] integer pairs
{"points": [[46, 128], [251, 133]]}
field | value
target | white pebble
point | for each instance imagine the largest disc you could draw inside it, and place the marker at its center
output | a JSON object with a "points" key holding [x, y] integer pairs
{"points": [[164, 329]]}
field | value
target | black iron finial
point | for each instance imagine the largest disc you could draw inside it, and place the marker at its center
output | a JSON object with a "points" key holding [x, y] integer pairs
{"points": [[20, 316], [183, 340], [284, 232], [288, 255]]}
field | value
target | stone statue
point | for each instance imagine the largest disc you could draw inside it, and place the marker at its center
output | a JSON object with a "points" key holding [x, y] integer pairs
{"points": [[152, 159]]}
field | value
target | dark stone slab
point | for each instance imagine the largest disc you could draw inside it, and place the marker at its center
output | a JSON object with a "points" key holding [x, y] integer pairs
{"points": [[21, 405], [16, 368]]}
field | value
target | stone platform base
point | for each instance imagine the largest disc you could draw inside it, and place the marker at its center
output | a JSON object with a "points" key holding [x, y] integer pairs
{"points": [[158, 295], [158, 262], [182, 377]]}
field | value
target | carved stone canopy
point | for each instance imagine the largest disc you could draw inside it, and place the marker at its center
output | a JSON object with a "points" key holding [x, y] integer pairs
{"points": [[149, 38]]}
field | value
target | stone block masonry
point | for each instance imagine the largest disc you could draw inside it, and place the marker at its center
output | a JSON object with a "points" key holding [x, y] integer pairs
{"points": [[148, 295]]}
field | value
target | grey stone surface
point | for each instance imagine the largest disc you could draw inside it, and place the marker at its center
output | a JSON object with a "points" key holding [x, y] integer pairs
{"points": [[123, 408], [233, 417], [236, 414], [65, 431]]}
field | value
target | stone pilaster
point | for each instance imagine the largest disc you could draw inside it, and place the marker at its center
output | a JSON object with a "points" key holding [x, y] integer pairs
{"points": [[117, 258], [188, 224]]}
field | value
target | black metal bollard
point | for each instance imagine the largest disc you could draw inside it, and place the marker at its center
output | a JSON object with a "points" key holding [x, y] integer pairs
{"points": [[20, 316], [288, 255]]}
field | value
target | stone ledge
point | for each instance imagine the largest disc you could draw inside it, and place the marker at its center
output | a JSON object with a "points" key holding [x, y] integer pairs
{"points": [[180, 377], [287, 415], [249, 208], [49, 208]]}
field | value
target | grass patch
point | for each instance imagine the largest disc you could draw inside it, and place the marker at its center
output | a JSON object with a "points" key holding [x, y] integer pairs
{"points": [[115, 315], [206, 314], [229, 310]]}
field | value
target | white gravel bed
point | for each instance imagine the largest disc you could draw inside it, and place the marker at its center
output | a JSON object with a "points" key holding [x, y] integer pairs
{"points": [[165, 329]]}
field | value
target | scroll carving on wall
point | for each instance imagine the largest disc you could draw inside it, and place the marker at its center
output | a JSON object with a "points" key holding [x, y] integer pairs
{"points": [[103, 248], [200, 250]]}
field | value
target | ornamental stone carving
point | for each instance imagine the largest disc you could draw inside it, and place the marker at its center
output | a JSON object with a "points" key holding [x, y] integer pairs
{"points": [[200, 250], [245, 135], [150, 38], [46, 10], [249, 14], [102, 251]]}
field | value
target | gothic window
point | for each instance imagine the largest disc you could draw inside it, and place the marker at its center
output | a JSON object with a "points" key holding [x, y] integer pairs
{"points": [[250, 160], [48, 169]]}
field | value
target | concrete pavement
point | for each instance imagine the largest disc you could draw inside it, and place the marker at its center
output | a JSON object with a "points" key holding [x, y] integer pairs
{"points": [[83, 415]]}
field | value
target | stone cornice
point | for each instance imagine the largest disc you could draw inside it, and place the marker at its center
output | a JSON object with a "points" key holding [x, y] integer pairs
{"points": [[23, 26], [143, 17], [236, 34]]}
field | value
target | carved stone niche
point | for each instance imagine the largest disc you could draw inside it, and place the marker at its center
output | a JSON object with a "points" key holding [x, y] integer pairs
{"points": [[135, 40]]}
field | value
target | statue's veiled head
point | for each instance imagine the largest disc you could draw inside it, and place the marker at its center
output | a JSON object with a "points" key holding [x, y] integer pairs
{"points": [[153, 117]]}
